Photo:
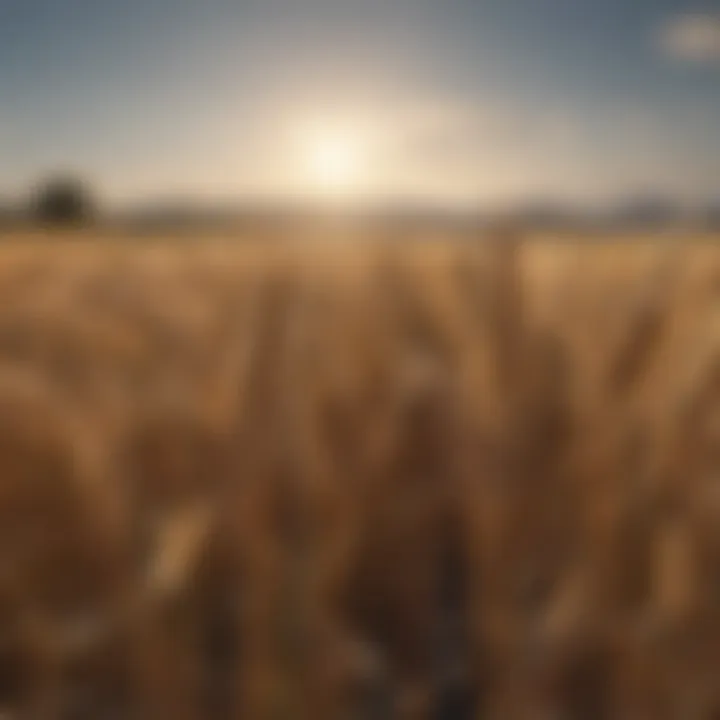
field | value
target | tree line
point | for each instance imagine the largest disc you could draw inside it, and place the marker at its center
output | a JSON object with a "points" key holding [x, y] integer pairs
{"points": [[59, 200]]}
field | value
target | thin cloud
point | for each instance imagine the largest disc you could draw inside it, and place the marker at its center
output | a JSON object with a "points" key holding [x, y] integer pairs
{"points": [[693, 37]]}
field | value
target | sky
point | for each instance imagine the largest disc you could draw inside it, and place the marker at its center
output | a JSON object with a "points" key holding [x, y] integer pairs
{"points": [[457, 101]]}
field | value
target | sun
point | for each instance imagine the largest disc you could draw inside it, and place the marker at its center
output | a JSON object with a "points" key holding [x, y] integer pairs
{"points": [[334, 162]]}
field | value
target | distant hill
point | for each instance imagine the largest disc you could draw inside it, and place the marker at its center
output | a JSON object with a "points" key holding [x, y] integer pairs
{"points": [[647, 212]]}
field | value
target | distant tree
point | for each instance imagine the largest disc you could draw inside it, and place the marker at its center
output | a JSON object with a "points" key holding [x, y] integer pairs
{"points": [[63, 201]]}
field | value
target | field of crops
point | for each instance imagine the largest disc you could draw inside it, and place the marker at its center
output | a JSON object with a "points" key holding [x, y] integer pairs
{"points": [[309, 481]]}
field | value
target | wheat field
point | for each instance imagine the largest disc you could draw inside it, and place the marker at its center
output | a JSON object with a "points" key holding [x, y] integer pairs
{"points": [[332, 480]]}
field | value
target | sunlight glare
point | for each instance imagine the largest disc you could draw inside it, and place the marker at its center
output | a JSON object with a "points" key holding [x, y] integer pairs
{"points": [[334, 162]]}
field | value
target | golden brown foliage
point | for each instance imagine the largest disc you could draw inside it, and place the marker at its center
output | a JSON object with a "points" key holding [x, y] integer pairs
{"points": [[445, 480]]}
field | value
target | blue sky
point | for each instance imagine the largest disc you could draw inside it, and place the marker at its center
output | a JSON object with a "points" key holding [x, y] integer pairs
{"points": [[448, 99]]}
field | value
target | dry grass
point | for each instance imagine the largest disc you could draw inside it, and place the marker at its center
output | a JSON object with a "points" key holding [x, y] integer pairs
{"points": [[432, 480]]}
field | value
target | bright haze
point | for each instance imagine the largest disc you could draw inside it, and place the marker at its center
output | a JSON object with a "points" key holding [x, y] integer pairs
{"points": [[446, 101]]}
